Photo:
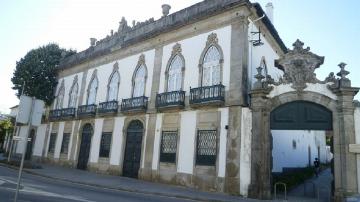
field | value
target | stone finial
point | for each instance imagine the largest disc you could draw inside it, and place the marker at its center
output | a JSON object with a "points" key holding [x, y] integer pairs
{"points": [[343, 81], [165, 9], [93, 41], [122, 25], [259, 84], [111, 32]]}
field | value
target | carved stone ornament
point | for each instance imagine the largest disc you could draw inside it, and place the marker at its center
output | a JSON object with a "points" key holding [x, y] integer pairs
{"points": [[299, 66], [141, 60], [176, 49], [212, 39]]}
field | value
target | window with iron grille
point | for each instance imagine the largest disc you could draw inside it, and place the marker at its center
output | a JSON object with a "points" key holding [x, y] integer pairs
{"points": [[65, 143], [168, 146], [52, 142], [105, 145], [206, 147]]}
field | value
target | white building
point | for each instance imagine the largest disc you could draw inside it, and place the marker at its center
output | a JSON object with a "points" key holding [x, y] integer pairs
{"points": [[175, 100]]}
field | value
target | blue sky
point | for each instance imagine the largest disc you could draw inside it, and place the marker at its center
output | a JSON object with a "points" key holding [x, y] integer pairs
{"points": [[330, 27]]}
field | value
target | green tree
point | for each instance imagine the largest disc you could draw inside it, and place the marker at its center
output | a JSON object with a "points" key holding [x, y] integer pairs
{"points": [[38, 70], [5, 125]]}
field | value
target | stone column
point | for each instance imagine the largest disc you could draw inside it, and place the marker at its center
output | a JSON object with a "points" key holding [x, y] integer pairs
{"points": [[260, 186], [345, 170], [146, 172]]}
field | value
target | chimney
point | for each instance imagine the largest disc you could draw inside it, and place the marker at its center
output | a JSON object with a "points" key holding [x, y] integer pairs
{"points": [[270, 11], [165, 9]]}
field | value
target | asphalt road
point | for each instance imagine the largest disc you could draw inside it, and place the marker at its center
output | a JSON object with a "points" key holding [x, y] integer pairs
{"points": [[39, 189]]}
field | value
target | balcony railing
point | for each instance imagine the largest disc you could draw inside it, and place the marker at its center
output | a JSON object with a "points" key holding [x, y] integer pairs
{"points": [[134, 104], [170, 99], [108, 107], [86, 110], [207, 95], [61, 114]]}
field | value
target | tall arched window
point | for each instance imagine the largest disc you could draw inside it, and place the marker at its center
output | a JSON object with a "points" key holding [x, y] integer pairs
{"points": [[175, 74], [139, 81], [92, 90], [60, 96], [113, 86], [73, 95], [211, 72]]}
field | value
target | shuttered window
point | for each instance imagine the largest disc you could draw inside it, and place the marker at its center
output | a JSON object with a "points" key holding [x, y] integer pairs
{"points": [[52, 142], [105, 145], [206, 147], [168, 146], [65, 143]]}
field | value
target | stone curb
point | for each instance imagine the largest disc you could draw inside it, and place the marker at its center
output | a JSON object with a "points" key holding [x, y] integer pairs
{"points": [[197, 198]]}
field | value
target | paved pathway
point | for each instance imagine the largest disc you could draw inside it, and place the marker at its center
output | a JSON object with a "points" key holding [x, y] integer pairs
{"points": [[313, 187]]}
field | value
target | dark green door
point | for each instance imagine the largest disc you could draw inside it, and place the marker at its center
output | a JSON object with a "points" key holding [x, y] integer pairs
{"points": [[30, 144], [133, 149], [301, 115], [85, 147]]}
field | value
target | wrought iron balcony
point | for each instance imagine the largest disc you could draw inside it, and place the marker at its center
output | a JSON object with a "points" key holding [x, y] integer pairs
{"points": [[86, 110], [61, 114], [174, 99], [207, 95], [136, 104], [108, 107]]}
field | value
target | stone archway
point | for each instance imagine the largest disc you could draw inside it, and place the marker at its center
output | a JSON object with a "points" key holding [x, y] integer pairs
{"points": [[296, 84]]}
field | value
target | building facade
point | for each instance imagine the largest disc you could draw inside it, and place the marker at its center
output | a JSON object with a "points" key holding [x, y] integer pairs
{"points": [[186, 99]]}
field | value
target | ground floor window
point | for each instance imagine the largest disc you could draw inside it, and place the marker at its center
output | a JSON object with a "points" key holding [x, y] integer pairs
{"points": [[65, 143], [105, 145], [206, 147], [168, 146], [52, 142]]}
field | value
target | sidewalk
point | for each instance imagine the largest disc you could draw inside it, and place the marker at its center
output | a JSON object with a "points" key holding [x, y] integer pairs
{"points": [[128, 184]]}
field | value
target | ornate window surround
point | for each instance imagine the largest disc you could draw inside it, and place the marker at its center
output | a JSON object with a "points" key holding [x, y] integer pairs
{"points": [[177, 51], [59, 103], [212, 40], [115, 71], [141, 62], [75, 83], [93, 77]]}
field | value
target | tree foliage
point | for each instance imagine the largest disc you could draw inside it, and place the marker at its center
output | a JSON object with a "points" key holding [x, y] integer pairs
{"points": [[38, 70], [5, 125]]}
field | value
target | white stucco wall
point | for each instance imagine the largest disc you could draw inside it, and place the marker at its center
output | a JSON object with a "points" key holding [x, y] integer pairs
{"points": [[284, 155], [117, 141], [95, 141], [39, 140], [257, 52], [186, 143], [191, 50], [59, 138], [157, 140], [48, 139], [223, 140], [127, 67], [143, 149], [245, 151], [71, 140]]}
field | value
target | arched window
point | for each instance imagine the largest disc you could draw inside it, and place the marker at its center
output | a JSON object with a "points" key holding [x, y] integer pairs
{"points": [[113, 86], [60, 96], [92, 89], [211, 72], [73, 95], [139, 81], [175, 74]]}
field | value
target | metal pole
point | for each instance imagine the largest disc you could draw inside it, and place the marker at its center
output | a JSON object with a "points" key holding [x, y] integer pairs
{"points": [[23, 154]]}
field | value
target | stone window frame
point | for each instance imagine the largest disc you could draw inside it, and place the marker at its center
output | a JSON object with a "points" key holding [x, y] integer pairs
{"points": [[177, 146], [115, 71], [140, 63], [177, 51], [101, 149], [93, 77], [52, 142], [59, 103], [212, 40], [65, 148], [75, 83]]}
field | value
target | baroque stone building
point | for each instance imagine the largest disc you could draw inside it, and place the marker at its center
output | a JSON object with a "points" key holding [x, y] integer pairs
{"points": [[190, 99]]}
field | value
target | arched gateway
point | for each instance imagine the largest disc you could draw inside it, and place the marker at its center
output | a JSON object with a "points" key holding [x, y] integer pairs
{"points": [[300, 101]]}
